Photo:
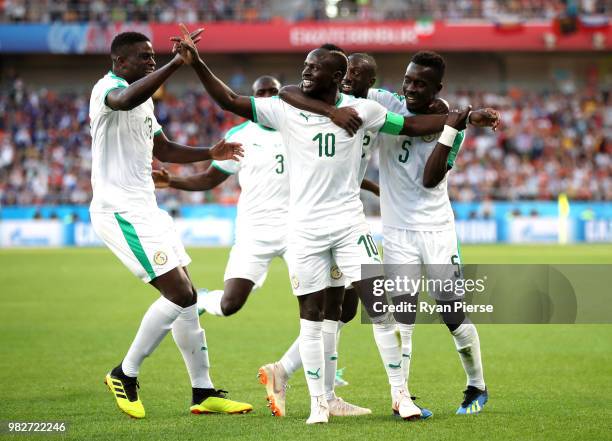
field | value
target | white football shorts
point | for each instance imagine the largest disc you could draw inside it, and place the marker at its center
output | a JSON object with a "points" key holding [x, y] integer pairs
{"points": [[146, 242]]}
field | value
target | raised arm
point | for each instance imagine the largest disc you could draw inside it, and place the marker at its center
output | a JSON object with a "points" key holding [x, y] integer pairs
{"points": [[169, 151], [344, 117], [217, 89], [198, 182], [140, 91], [420, 125]]}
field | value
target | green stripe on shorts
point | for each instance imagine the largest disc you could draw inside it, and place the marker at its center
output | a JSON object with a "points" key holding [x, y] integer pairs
{"points": [[134, 243]]}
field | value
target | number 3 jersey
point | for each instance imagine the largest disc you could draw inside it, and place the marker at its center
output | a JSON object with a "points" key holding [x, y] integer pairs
{"points": [[323, 159], [262, 175], [122, 152], [404, 201]]}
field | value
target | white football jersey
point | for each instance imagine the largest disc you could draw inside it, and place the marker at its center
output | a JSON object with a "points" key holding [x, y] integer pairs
{"points": [[368, 145], [323, 159], [404, 201], [122, 151], [262, 175]]}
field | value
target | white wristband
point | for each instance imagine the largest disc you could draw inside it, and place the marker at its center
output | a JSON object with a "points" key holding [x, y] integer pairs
{"points": [[447, 137]]}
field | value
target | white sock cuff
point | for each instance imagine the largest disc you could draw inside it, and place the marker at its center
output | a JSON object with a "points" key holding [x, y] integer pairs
{"points": [[310, 329], [384, 327], [166, 307], [330, 326], [189, 313], [403, 327]]}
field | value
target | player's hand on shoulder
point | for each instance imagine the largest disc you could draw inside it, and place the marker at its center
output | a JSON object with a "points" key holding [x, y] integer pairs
{"points": [[457, 119], [438, 107], [184, 47], [226, 150], [487, 117], [161, 178], [346, 118]]}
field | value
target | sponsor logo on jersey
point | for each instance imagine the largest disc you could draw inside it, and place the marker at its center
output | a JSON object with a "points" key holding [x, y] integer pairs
{"points": [[295, 282], [430, 138], [160, 258], [335, 272]]}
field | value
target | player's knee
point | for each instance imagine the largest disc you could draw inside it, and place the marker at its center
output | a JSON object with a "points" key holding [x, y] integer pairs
{"points": [[312, 313], [230, 305], [182, 294]]}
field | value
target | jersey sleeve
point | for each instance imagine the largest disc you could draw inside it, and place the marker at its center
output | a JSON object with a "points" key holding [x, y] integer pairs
{"points": [[376, 118], [157, 128], [108, 85], [269, 112], [229, 166], [390, 101]]}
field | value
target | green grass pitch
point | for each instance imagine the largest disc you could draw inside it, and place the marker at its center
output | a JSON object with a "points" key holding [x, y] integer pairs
{"points": [[68, 315]]}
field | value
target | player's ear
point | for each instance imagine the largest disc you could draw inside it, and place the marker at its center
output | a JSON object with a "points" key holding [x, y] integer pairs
{"points": [[371, 82], [439, 87]]}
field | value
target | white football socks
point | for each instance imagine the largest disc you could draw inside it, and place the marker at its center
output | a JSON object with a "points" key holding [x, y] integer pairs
{"points": [[468, 347], [311, 351], [153, 328], [330, 334], [291, 360], [191, 340], [211, 302], [391, 355], [406, 337]]}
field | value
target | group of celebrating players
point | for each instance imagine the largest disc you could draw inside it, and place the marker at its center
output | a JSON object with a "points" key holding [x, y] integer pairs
{"points": [[300, 159]]}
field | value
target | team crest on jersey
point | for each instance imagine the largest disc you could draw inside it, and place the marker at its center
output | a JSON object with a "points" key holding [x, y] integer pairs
{"points": [[295, 282], [335, 272], [160, 258], [429, 138]]}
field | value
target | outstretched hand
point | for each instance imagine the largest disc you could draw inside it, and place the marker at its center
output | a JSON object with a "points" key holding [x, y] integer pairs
{"points": [[161, 178], [346, 118], [185, 46], [485, 118], [226, 150]]}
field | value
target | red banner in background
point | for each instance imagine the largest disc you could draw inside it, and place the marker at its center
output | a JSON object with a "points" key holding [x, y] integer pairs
{"points": [[384, 37]]}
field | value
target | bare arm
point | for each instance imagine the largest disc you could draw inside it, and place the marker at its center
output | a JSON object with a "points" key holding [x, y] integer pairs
{"points": [[169, 151], [344, 117], [437, 163], [370, 186], [218, 90], [198, 182]]}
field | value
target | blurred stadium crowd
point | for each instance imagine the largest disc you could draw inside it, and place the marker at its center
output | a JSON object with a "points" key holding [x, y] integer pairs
{"points": [[190, 11], [550, 142]]}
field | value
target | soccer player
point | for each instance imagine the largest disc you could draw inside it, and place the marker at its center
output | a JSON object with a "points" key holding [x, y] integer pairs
{"points": [[124, 214], [325, 213], [418, 222], [261, 223]]}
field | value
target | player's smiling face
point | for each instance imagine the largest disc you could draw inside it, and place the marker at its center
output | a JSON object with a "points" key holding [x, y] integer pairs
{"points": [[358, 79], [317, 76], [421, 85], [139, 62]]}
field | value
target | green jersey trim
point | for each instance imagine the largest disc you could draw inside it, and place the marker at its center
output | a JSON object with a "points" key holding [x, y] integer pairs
{"points": [[253, 108], [116, 77], [339, 100], [394, 123], [216, 165], [452, 155], [235, 129], [158, 132], [134, 243], [118, 86], [269, 129]]}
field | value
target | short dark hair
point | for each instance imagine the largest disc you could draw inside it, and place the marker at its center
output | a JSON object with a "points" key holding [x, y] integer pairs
{"points": [[126, 39], [339, 61], [332, 47], [369, 59], [430, 59]]}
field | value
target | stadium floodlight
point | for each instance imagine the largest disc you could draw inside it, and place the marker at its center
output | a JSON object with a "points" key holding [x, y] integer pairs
{"points": [[331, 8]]}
